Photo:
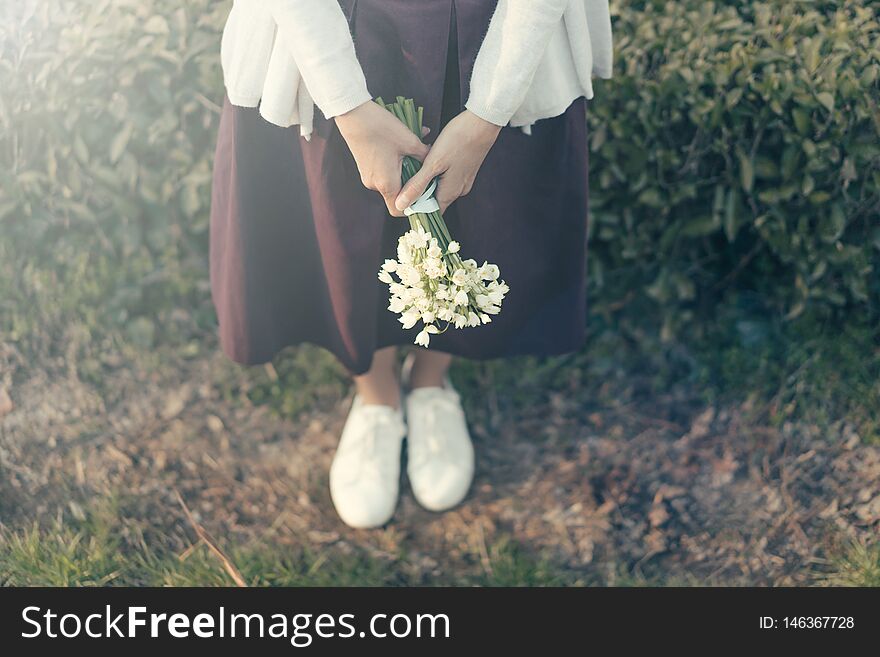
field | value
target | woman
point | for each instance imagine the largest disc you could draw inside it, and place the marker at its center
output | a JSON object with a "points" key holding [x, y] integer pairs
{"points": [[300, 216]]}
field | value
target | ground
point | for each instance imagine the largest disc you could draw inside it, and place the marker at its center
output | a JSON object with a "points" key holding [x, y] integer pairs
{"points": [[579, 480]]}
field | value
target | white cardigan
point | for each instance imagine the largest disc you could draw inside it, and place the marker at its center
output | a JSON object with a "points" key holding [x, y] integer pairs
{"points": [[536, 58]]}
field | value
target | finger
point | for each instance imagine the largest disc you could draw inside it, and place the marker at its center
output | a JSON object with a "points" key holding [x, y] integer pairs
{"points": [[415, 185], [445, 193], [389, 188], [389, 195], [393, 211], [445, 202], [425, 131], [414, 146]]}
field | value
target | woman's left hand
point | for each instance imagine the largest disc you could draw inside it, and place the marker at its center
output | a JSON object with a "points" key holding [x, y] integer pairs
{"points": [[456, 156]]}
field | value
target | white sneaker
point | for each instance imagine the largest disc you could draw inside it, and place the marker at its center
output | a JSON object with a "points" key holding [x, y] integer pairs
{"points": [[365, 474], [439, 450]]}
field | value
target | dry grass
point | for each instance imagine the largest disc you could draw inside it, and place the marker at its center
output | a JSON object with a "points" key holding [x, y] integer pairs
{"points": [[582, 479]]}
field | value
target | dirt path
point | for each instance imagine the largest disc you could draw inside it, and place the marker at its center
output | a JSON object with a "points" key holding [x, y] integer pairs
{"points": [[595, 492]]}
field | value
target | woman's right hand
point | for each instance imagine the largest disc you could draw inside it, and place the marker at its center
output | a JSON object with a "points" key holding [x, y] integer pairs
{"points": [[378, 140]]}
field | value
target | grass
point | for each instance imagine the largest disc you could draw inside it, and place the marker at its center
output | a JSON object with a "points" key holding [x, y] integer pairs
{"points": [[811, 370], [104, 549], [859, 565], [803, 372], [806, 371]]}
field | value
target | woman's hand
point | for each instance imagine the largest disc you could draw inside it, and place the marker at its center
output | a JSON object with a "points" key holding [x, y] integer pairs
{"points": [[378, 141], [456, 156]]}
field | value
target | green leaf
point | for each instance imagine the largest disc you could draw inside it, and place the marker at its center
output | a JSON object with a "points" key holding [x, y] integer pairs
{"points": [[734, 97], [731, 216], [802, 120], [120, 142], [746, 172], [156, 24], [190, 202], [700, 226], [651, 197], [80, 149], [827, 100], [7, 208], [811, 54], [808, 185]]}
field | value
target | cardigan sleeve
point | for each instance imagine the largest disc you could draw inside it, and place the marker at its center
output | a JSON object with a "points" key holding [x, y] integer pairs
{"points": [[505, 66], [317, 35]]}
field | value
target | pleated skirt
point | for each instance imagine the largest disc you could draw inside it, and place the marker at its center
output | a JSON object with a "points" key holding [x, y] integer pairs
{"points": [[296, 241]]}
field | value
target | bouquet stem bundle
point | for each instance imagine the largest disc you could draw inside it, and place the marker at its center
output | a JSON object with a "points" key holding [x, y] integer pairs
{"points": [[432, 222], [434, 283]]}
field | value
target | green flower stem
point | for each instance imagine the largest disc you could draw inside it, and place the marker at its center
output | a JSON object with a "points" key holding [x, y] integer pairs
{"points": [[411, 116]]}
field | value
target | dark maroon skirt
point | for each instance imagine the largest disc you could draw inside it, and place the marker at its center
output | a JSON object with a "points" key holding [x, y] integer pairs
{"points": [[296, 241]]}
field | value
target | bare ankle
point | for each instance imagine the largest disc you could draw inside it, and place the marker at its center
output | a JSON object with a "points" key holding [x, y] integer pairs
{"points": [[428, 369], [383, 396], [380, 385], [426, 379]]}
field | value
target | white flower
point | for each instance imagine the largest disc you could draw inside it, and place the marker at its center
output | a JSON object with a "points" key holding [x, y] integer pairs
{"points": [[409, 274], [418, 239], [409, 318], [489, 272], [413, 293], [435, 269], [429, 284], [396, 305], [424, 336]]}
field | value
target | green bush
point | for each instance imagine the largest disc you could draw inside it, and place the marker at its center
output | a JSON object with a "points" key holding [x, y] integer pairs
{"points": [[736, 156], [108, 115], [735, 162]]}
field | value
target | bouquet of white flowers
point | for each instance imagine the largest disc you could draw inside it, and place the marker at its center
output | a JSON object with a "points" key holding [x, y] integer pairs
{"points": [[430, 282]]}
